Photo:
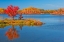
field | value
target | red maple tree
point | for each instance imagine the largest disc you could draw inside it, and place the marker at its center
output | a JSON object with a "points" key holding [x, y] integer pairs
{"points": [[11, 11]]}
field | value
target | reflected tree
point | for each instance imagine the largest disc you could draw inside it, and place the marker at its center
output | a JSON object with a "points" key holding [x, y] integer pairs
{"points": [[12, 33], [21, 26]]}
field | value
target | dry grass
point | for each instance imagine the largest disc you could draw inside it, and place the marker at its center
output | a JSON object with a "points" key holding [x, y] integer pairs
{"points": [[21, 22]]}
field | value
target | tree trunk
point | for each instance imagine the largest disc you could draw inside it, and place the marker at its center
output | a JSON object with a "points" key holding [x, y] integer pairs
{"points": [[13, 17], [13, 28], [20, 16]]}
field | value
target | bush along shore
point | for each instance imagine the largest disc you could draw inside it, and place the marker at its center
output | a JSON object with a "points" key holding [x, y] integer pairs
{"points": [[26, 22]]}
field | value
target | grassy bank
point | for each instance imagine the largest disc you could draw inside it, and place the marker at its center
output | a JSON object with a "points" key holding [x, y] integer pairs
{"points": [[26, 22]]}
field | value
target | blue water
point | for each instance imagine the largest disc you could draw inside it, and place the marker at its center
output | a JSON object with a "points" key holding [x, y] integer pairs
{"points": [[51, 31]]}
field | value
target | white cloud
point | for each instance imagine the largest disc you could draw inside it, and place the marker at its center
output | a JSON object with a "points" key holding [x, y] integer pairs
{"points": [[51, 5]]}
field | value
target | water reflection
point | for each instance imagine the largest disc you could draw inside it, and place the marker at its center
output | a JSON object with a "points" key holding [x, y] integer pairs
{"points": [[3, 25], [21, 26], [12, 33]]}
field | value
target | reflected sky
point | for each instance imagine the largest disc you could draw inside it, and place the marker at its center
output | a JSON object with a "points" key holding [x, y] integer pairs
{"points": [[51, 31]]}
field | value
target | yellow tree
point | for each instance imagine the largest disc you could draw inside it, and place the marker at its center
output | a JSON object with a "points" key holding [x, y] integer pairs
{"points": [[2, 10], [31, 10]]}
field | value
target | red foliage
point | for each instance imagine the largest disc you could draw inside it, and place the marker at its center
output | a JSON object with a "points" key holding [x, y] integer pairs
{"points": [[12, 34], [11, 10]]}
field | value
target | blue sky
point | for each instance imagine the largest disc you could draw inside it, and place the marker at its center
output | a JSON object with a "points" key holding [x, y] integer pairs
{"points": [[43, 4]]}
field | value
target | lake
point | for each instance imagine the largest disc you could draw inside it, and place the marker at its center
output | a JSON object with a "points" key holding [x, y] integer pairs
{"points": [[51, 31]]}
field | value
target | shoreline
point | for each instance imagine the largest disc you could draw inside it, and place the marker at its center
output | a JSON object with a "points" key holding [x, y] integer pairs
{"points": [[27, 22]]}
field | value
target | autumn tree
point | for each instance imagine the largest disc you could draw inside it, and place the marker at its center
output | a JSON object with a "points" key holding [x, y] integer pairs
{"points": [[1, 10], [11, 11], [31, 10]]}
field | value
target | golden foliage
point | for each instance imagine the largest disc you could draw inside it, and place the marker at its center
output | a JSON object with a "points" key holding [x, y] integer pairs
{"points": [[30, 10], [1, 11]]}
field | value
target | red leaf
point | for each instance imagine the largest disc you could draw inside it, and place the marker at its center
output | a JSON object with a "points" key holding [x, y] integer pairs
{"points": [[11, 10]]}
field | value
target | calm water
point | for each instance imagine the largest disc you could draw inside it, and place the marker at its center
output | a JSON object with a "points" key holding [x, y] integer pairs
{"points": [[51, 31]]}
